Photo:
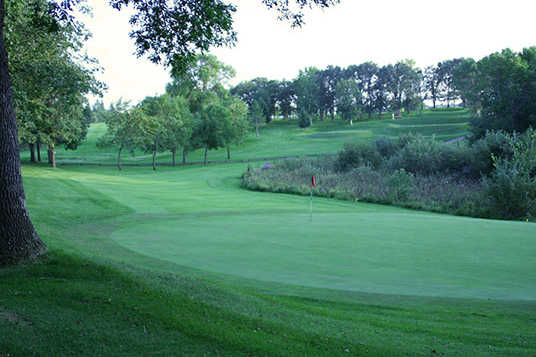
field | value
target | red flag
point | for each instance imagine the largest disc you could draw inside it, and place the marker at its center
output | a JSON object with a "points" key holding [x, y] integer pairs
{"points": [[313, 181]]}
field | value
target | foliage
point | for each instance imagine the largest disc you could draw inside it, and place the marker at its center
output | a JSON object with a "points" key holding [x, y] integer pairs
{"points": [[422, 173], [355, 155], [506, 90], [512, 184], [50, 78], [126, 129], [401, 184], [348, 99]]}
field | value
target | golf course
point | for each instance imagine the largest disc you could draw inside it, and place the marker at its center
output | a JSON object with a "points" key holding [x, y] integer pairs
{"points": [[183, 261]]}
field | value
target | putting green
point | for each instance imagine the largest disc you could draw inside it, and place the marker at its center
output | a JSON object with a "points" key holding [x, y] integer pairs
{"points": [[394, 252]]}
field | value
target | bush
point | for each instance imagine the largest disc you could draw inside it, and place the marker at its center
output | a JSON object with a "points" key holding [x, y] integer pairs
{"points": [[494, 144], [355, 155], [421, 156], [401, 185], [385, 146], [512, 184]]}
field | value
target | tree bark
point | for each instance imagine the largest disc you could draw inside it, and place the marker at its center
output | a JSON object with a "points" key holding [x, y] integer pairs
{"points": [[184, 156], [119, 158], [18, 239], [174, 157], [228, 152], [52, 155], [32, 152], [206, 151], [154, 152], [38, 150]]}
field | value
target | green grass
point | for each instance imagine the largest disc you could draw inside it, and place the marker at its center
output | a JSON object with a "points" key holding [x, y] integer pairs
{"points": [[181, 261], [284, 138]]}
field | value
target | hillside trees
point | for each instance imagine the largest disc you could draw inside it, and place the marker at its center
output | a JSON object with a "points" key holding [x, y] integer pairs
{"points": [[366, 75], [236, 128], [327, 80], [127, 129], [465, 77], [286, 98], [432, 82], [506, 91], [307, 92], [348, 99], [211, 126]]}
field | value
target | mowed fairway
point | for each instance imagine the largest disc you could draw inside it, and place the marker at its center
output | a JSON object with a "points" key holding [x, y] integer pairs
{"points": [[198, 217]]}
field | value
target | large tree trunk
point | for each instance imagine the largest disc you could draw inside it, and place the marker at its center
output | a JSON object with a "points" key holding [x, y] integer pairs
{"points": [[32, 152], [38, 150], [18, 239], [184, 156]]}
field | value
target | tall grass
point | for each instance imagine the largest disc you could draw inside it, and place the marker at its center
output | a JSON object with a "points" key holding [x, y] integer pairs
{"points": [[492, 178]]}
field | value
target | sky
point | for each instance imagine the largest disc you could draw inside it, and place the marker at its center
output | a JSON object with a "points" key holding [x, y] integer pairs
{"points": [[355, 31]]}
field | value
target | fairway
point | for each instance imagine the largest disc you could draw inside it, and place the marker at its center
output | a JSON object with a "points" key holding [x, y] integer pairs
{"points": [[199, 217]]}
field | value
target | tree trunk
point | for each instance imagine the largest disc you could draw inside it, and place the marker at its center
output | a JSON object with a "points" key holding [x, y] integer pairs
{"points": [[174, 157], [154, 152], [184, 156], [228, 152], [206, 150], [51, 155], [32, 152], [38, 150], [119, 158], [18, 239]]}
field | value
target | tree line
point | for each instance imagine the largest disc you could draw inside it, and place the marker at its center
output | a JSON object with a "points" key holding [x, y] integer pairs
{"points": [[499, 89], [196, 112]]}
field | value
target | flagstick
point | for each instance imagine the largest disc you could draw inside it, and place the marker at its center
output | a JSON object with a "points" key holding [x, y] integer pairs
{"points": [[311, 204]]}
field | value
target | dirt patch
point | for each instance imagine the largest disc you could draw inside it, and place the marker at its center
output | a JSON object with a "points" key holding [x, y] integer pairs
{"points": [[14, 318]]}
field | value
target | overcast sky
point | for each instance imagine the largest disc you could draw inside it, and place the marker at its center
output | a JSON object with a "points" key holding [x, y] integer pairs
{"points": [[355, 31]]}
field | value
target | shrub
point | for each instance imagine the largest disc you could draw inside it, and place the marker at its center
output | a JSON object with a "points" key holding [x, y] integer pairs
{"points": [[401, 184], [419, 156], [385, 146], [512, 184], [494, 144], [355, 155]]}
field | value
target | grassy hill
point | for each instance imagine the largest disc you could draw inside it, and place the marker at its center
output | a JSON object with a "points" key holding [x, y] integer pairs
{"points": [[284, 138], [181, 261]]}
